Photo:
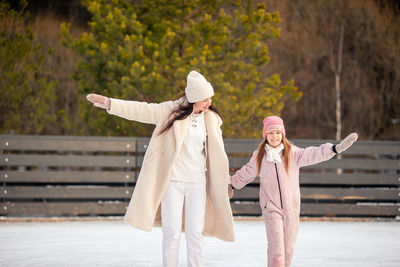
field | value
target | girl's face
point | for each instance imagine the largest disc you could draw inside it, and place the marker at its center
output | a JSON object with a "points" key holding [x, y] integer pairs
{"points": [[274, 138], [202, 105]]}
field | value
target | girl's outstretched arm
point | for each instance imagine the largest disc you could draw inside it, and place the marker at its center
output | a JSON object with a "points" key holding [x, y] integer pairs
{"points": [[313, 155], [246, 174]]}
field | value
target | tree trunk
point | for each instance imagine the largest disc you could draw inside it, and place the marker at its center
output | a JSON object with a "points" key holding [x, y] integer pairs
{"points": [[337, 86]]}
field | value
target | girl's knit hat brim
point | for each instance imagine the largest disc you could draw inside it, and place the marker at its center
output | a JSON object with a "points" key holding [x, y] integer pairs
{"points": [[273, 123]]}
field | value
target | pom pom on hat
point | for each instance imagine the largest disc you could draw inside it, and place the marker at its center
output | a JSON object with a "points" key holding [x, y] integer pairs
{"points": [[197, 87], [273, 123]]}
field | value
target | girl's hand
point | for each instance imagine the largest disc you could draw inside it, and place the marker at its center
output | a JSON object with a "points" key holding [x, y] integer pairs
{"points": [[99, 101], [346, 143]]}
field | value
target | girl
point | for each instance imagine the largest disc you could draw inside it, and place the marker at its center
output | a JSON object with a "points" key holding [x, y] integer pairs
{"points": [[185, 168], [277, 163]]}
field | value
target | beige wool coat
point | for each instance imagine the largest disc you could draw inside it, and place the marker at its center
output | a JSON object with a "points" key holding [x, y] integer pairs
{"points": [[144, 209]]}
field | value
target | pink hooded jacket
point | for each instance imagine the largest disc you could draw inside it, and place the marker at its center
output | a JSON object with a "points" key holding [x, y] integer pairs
{"points": [[276, 186]]}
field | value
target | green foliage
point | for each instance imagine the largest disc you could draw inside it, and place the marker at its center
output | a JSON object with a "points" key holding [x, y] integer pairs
{"points": [[144, 52], [25, 90]]}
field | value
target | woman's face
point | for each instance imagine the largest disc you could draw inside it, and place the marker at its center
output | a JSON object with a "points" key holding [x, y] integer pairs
{"points": [[202, 105], [274, 138]]}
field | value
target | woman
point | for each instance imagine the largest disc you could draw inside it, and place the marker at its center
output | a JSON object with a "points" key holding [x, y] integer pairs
{"points": [[185, 168]]}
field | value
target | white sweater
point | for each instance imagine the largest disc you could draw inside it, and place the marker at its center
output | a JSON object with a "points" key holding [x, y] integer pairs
{"points": [[191, 163]]}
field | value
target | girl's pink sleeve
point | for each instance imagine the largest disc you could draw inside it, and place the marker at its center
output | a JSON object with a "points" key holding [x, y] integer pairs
{"points": [[246, 174], [313, 155]]}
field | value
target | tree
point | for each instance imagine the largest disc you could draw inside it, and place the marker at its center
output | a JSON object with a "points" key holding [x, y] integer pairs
{"points": [[25, 89], [336, 68], [61, 64], [144, 52], [370, 67]]}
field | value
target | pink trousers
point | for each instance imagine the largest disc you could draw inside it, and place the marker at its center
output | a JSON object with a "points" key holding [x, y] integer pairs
{"points": [[281, 235]]}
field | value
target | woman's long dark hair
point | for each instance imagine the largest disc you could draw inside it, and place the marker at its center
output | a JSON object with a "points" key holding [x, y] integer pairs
{"points": [[181, 112]]}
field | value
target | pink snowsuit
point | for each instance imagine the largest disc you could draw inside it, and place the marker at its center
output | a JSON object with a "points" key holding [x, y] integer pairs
{"points": [[280, 197]]}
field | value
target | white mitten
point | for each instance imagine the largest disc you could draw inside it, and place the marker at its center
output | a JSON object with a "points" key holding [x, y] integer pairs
{"points": [[346, 143], [99, 101]]}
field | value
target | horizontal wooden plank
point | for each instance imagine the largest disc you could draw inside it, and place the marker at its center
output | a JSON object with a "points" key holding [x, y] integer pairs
{"points": [[63, 208], [346, 179], [129, 177], [68, 160], [238, 162], [97, 143], [66, 192], [249, 208], [118, 192], [369, 209], [248, 192], [326, 209], [67, 176], [245, 208], [142, 144], [241, 145], [338, 194], [66, 143], [362, 194], [349, 179], [358, 164]]}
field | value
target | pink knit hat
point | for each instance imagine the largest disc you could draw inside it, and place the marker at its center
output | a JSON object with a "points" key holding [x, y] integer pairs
{"points": [[273, 123]]}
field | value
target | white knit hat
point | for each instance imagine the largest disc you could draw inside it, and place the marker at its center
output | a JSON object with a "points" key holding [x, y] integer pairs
{"points": [[197, 87]]}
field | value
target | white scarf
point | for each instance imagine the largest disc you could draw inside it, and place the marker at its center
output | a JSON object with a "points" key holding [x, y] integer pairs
{"points": [[274, 153]]}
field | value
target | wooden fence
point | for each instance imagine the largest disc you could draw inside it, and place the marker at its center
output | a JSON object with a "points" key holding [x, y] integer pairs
{"points": [[43, 176]]}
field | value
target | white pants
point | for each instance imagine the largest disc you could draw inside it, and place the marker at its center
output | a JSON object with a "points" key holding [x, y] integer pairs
{"points": [[193, 196]]}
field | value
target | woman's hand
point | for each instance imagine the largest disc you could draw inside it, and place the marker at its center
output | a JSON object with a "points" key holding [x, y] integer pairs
{"points": [[230, 191], [99, 101], [346, 143]]}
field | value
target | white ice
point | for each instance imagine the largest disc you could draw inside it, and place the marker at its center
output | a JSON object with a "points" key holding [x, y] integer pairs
{"points": [[112, 243]]}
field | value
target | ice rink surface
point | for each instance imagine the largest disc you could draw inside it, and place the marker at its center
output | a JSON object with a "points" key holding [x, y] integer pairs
{"points": [[113, 243]]}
